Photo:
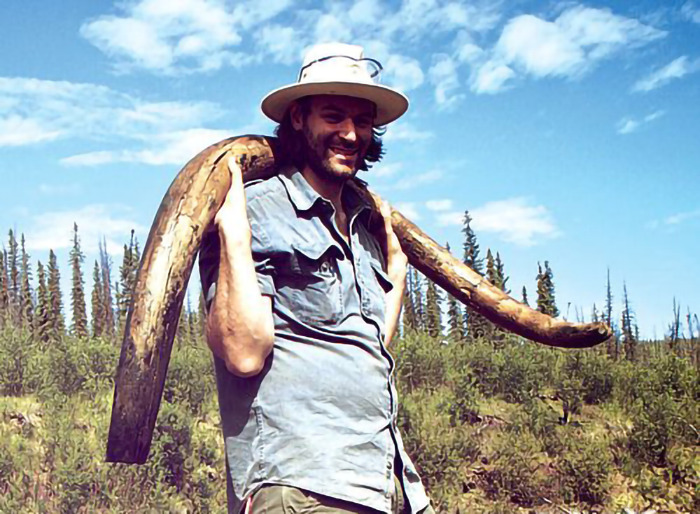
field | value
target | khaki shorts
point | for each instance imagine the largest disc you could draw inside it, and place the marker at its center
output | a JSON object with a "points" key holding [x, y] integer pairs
{"points": [[280, 499]]}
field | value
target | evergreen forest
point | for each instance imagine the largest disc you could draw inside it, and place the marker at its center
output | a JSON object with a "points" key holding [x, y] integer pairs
{"points": [[494, 423]]}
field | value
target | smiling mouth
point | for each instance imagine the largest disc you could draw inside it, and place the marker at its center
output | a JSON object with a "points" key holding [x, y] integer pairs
{"points": [[347, 153]]}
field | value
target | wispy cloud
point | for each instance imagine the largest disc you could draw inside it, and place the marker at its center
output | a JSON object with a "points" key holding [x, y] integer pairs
{"points": [[628, 125], [178, 37], [444, 77], [675, 219], [514, 220], [568, 46], [676, 69], [406, 131], [691, 12], [54, 230], [169, 148], [34, 111], [409, 210], [412, 181], [439, 205]]}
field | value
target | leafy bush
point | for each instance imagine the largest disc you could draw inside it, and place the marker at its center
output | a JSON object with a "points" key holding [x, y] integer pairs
{"points": [[517, 469], [190, 378], [421, 362], [584, 466]]}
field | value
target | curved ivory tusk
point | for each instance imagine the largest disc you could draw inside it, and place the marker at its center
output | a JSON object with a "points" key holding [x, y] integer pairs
{"points": [[186, 211]]}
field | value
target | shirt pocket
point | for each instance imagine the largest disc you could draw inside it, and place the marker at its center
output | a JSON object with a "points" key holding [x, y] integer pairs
{"points": [[317, 290]]}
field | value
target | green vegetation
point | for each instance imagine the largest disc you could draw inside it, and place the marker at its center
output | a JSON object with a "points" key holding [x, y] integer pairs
{"points": [[495, 424]]}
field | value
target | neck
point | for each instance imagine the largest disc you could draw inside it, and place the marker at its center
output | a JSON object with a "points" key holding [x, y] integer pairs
{"points": [[331, 190]]}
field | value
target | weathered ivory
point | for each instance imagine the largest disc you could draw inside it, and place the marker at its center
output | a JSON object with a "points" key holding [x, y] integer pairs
{"points": [[186, 211]]}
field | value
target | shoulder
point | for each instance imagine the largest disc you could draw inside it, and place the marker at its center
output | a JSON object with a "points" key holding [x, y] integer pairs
{"points": [[269, 188]]}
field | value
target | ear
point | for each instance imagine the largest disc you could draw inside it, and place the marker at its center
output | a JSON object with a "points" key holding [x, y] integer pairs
{"points": [[296, 116]]}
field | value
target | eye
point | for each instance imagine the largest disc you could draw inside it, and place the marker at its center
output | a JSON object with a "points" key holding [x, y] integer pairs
{"points": [[363, 122], [333, 117]]}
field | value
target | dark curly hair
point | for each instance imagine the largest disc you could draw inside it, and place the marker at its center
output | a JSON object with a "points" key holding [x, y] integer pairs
{"points": [[291, 144]]}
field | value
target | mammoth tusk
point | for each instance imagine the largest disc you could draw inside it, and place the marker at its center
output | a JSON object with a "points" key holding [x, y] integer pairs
{"points": [[186, 211]]}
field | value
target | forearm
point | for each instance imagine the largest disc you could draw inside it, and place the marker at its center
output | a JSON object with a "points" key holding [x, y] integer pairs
{"points": [[394, 302], [240, 326]]}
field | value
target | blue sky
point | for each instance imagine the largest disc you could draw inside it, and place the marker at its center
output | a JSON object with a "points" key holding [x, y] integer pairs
{"points": [[569, 130]]}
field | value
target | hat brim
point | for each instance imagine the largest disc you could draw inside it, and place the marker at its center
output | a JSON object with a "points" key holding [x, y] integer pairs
{"points": [[390, 103]]}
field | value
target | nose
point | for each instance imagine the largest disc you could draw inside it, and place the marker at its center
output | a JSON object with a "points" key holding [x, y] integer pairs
{"points": [[347, 130]]}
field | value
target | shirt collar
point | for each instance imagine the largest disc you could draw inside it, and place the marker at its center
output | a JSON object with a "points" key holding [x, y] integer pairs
{"points": [[304, 197]]}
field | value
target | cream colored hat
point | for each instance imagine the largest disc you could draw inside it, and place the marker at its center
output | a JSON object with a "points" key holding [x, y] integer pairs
{"points": [[338, 69]]}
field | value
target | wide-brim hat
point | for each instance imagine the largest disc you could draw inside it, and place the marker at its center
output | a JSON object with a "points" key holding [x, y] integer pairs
{"points": [[338, 69]]}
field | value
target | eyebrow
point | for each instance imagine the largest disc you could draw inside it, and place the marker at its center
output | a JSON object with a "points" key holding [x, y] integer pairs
{"points": [[339, 110]]}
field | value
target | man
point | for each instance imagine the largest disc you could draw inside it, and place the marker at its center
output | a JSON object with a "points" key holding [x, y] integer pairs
{"points": [[303, 300]]}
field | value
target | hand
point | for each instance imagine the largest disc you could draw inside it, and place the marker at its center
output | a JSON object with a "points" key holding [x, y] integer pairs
{"points": [[232, 218], [397, 262]]}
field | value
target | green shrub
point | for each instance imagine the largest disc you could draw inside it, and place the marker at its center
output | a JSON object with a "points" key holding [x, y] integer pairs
{"points": [[172, 445], [439, 450], [190, 378], [421, 362], [517, 469], [584, 469]]}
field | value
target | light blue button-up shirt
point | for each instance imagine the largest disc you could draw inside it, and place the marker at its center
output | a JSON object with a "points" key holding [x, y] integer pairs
{"points": [[321, 415]]}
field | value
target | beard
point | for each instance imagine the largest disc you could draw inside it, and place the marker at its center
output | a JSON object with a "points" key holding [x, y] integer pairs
{"points": [[319, 156]]}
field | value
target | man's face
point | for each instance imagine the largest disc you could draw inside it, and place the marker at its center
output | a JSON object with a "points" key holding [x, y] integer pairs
{"points": [[338, 131]]}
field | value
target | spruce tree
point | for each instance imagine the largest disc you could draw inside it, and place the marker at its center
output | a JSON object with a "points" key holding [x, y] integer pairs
{"points": [[79, 327], [96, 302], [202, 314], [524, 300], [106, 304], [545, 290], [491, 268], [628, 330], [501, 274], [26, 300], [408, 310], [433, 317], [611, 343], [455, 319], [418, 304], [13, 273], [55, 298], [4, 292], [476, 323], [127, 277], [43, 306]]}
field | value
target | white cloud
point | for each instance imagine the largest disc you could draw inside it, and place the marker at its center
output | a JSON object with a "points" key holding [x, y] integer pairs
{"points": [[403, 73], [170, 148], [54, 230], [386, 170], [628, 125], [406, 131], [412, 181], [676, 69], [681, 217], [409, 210], [569, 46], [147, 132], [674, 220], [690, 12], [58, 189], [439, 205], [492, 77], [165, 36], [67, 109], [513, 220], [20, 131], [443, 75]]}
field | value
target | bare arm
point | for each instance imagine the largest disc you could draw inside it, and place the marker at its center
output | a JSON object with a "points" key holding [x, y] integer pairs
{"points": [[397, 264], [240, 327]]}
